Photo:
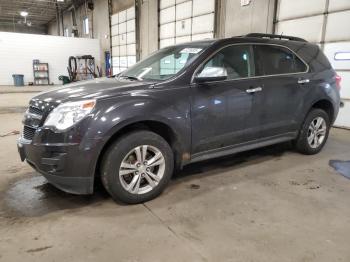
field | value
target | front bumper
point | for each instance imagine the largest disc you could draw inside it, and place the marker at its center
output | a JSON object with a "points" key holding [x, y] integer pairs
{"points": [[69, 167]]}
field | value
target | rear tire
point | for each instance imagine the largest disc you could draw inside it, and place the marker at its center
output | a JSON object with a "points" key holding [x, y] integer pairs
{"points": [[137, 167], [313, 133]]}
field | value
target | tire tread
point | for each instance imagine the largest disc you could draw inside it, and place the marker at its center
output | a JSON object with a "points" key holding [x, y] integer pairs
{"points": [[114, 155], [301, 143]]}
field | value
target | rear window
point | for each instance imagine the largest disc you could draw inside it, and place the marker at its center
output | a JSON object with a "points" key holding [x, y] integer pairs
{"points": [[276, 60]]}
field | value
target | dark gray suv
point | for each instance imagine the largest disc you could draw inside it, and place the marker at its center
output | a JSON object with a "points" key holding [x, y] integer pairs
{"points": [[182, 104]]}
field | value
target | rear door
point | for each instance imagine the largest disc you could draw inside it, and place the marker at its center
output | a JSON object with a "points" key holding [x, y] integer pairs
{"points": [[284, 80]]}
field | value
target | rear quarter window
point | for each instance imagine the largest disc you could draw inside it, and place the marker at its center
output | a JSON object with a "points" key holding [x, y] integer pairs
{"points": [[276, 60]]}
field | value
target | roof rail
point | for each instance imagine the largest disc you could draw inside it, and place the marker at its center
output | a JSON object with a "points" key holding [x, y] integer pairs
{"points": [[272, 36]]}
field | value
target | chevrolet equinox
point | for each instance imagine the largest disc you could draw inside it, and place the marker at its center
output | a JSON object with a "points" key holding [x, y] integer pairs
{"points": [[182, 104]]}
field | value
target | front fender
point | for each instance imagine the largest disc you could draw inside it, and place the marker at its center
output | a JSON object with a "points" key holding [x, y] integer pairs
{"points": [[114, 114]]}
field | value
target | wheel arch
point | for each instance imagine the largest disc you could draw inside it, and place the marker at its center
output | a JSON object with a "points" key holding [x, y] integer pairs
{"points": [[327, 106], [323, 104], [158, 127]]}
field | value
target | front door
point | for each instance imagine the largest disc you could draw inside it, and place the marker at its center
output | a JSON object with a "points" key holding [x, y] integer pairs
{"points": [[223, 112]]}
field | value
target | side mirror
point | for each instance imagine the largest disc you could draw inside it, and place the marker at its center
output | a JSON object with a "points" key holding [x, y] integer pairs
{"points": [[210, 74]]}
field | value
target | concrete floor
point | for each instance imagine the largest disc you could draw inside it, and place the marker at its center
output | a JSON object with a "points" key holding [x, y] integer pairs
{"points": [[270, 204], [14, 99]]}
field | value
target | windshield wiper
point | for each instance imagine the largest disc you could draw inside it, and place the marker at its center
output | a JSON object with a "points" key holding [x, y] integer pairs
{"points": [[131, 77]]}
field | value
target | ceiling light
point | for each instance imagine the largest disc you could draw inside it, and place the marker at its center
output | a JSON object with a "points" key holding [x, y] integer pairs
{"points": [[60, 0], [24, 13]]}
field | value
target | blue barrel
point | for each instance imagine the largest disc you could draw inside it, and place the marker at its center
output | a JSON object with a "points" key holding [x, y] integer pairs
{"points": [[18, 80]]}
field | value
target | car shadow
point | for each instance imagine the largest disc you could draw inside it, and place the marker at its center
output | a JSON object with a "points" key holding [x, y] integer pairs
{"points": [[238, 160], [33, 196]]}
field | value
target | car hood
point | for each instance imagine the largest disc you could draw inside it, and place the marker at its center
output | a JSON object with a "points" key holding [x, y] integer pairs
{"points": [[92, 89]]}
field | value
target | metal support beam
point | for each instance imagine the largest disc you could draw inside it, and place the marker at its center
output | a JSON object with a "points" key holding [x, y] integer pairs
{"points": [[58, 20], [218, 27], [274, 17], [61, 19], [324, 24], [110, 32], [137, 28]]}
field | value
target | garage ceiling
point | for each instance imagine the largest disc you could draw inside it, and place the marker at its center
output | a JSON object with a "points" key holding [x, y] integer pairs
{"points": [[40, 12]]}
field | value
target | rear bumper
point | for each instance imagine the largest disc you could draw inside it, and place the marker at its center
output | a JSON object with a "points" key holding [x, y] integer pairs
{"points": [[66, 166]]}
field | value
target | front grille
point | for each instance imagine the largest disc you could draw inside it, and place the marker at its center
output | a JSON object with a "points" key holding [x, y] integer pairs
{"points": [[28, 132], [34, 118], [35, 110]]}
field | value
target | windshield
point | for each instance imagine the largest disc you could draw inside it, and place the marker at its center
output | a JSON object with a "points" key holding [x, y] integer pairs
{"points": [[164, 63]]}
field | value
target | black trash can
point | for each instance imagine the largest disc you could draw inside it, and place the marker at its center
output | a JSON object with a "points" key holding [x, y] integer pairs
{"points": [[18, 80]]}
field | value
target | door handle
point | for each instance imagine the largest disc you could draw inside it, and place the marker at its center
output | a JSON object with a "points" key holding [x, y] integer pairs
{"points": [[254, 90], [303, 81]]}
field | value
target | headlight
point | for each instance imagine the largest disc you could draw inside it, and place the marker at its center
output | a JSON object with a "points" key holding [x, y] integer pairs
{"points": [[67, 114]]}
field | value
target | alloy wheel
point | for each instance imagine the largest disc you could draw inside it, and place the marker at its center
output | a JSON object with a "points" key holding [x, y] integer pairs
{"points": [[142, 169], [317, 132]]}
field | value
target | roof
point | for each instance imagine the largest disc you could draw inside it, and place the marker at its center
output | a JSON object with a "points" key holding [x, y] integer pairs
{"points": [[40, 12]]}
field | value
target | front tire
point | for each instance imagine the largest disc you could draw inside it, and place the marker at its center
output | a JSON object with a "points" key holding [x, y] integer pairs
{"points": [[137, 167], [314, 132]]}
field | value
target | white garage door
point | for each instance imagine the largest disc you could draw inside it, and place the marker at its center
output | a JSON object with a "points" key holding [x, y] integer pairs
{"points": [[184, 21], [307, 19], [123, 40]]}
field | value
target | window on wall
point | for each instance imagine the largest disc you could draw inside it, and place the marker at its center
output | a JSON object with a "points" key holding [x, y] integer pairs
{"points": [[342, 56], [237, 61], [275, 60], [86, 25], [185, 20], [123, 40]]}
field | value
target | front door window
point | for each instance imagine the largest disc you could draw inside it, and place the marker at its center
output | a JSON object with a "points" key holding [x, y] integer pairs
{"points": [[235, 59]]}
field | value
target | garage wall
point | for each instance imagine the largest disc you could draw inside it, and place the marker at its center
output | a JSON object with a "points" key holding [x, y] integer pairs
{"points": [[327, 23], [301, 18], [52, 28], [17, 52], [183, 21], [148, 23], [100, 26], [242, 17], [80, 13], [120, 5], [18, 28]]}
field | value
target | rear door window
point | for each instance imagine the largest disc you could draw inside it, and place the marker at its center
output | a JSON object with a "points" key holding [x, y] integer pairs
{"points": [[276, 60]]}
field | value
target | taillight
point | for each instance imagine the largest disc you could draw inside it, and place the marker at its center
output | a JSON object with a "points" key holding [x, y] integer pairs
{"points": [[337, 81]]}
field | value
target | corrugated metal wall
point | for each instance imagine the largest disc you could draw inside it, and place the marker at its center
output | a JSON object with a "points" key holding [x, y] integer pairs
{"points": [[17, 52], [327, 23]]}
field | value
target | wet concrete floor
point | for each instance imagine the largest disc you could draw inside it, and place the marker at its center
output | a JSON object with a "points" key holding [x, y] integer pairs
{"points": [[270, 204]]}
